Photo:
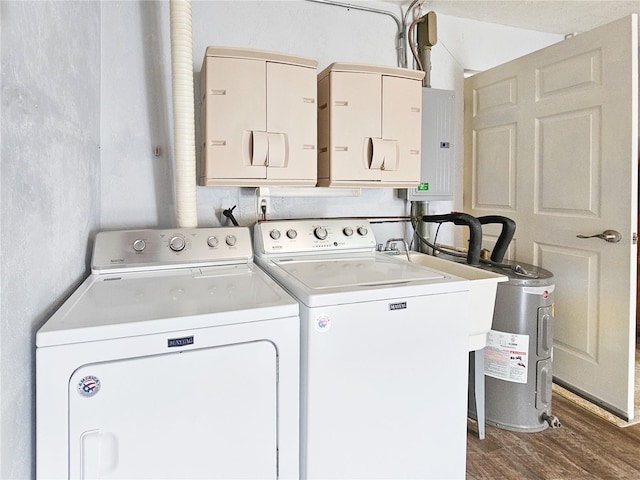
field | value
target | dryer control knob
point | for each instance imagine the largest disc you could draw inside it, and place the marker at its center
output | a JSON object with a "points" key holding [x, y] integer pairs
{"points": [[231, 240], [320, 233], [291, 233], [275, 234], [212, 241], [139, 245], [348, 231], [362, 231], [176, 244]]}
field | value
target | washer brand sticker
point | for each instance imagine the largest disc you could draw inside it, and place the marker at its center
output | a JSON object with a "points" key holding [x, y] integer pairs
{"points": [[89, 386], [179, 342], [398, 306], [322, 323]]}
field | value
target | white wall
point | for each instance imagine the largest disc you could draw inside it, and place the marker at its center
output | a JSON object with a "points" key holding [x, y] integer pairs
{"points": [[48, 191], [136, 104], [73, 71]]}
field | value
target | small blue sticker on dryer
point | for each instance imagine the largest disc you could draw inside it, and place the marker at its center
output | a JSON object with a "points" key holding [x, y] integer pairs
{"points": [[322, 323], [88, 386]]}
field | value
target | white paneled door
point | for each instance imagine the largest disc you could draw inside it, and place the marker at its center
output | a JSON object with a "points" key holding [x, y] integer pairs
{"points": [[551, 140]]}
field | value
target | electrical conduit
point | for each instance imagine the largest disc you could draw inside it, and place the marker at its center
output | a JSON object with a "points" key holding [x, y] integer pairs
{"points": [[183, 113]]}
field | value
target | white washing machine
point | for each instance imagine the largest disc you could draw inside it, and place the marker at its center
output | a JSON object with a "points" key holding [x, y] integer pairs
{"points": [[176, 358], [384, 353]]}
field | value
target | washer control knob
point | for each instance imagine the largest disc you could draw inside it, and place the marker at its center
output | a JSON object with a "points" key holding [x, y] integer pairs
{"points": [[348, 231], [231, 240], [176, 244], [139, 245], [291, 233], [362, 231], [275, 234], [320, 233], [212, 241]]}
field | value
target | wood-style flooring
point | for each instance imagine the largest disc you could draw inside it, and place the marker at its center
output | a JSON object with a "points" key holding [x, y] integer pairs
{"points": [[584, 447]]}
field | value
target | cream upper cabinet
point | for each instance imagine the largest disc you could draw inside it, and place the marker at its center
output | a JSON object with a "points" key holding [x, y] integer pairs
{"points": [[402, 122], [231, 134], [349, 117], [292, 123], [258, 119], [369, 126]]}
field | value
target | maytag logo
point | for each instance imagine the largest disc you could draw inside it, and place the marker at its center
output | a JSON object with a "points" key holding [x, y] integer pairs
{"points": [[398, 306], [179, 342]]}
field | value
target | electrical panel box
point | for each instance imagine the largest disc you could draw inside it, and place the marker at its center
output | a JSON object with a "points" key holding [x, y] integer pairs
{"points": [[437, 157], [258, 119], [369, 129]]}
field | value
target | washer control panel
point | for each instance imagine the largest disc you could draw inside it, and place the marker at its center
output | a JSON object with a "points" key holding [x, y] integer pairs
{"points": [[156, 249], [313, 235]]}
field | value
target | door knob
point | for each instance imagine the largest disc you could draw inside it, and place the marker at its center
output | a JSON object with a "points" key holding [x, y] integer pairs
{"points": [[610, 236]]}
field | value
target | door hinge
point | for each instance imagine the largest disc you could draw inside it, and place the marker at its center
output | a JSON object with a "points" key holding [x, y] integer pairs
{"points": [[634, 238]]}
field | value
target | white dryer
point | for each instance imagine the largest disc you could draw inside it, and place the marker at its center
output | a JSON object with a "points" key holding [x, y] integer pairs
{"points": [[384, 353], [176, 358]]}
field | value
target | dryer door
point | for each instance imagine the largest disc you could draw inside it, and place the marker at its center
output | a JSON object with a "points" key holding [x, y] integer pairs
{"points": [[207, 413]]}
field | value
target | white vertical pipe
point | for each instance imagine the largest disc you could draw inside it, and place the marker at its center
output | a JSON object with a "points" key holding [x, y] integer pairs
{"points": [[183, 113]]}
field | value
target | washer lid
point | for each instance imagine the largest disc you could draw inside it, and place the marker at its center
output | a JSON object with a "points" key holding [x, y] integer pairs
{"points": [[324, 280], [125, 305], [350, 272]]}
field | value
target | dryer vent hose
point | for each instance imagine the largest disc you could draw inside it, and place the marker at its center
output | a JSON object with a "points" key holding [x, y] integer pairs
{"points": [[183, 113]]}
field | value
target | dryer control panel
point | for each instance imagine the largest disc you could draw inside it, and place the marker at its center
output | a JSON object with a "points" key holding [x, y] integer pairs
{"points": [[162, 249], [313, 236]]}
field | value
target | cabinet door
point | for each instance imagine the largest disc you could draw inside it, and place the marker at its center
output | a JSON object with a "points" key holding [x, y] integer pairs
{"points": [[234, 113], [292, 124], [355, 107], [401, 124]]}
